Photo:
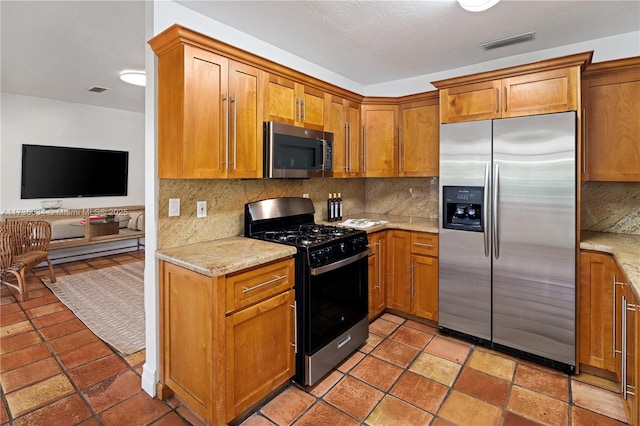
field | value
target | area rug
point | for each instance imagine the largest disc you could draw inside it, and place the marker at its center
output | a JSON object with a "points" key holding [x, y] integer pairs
{"points": [[109, 301]]}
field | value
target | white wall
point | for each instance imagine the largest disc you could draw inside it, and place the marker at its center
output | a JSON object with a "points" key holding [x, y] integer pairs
{"points": [[40, 121]]}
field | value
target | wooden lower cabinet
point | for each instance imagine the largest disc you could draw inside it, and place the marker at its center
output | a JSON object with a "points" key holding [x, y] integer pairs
{"points": [[630, 362], [226, 342], [377, 271], [412, 263]]}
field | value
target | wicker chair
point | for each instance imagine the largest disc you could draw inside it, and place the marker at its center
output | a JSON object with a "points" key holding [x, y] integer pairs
{"points": [[25, 247]]}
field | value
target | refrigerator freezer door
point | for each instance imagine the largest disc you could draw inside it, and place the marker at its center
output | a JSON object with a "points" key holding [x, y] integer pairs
{"points": [[464, 290], [534, 178]]}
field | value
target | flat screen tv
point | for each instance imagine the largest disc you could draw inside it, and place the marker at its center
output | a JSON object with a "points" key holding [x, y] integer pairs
{"points": [[63, 172]]}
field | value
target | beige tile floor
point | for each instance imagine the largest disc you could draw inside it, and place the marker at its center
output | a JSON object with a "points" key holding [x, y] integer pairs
{"points": [[54, 371]]}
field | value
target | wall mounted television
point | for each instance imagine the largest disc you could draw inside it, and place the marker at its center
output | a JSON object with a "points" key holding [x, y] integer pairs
{"points": [[65, 172]]}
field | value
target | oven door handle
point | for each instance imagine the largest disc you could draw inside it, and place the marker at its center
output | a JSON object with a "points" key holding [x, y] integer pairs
{"points": [[339, 264]]}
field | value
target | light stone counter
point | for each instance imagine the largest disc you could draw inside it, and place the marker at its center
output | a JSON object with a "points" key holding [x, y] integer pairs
{"points": [[406, 223], [224, 256], [624, 247]]}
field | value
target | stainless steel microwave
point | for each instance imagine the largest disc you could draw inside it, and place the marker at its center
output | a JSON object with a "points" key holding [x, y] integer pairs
{"points": [[296, 152]]}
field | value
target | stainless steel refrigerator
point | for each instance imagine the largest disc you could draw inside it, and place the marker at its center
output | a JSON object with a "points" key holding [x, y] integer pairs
{"points": [[507, 235]]}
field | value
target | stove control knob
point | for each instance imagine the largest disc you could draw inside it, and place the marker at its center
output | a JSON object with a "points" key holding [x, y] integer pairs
{"points": [[343, 247]]}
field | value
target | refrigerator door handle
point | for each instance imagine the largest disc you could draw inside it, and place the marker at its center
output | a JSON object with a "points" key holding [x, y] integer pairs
{"points": [[496, 243], [485, 203]]}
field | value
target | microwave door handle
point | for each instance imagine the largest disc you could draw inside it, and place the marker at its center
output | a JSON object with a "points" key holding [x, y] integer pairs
{"points": [[324, 152]]}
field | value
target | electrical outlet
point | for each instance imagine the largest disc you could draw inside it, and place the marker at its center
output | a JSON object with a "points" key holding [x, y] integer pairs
{"points": [[305, 195], [201, 209], [174, 206]]}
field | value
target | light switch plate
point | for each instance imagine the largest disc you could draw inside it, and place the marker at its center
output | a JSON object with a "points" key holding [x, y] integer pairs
{"points": [[201, 209], [174, 206]]}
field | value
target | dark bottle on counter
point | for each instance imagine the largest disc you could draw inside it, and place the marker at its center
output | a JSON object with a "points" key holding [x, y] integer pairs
{"points": [[330, 208], [339, 207]]}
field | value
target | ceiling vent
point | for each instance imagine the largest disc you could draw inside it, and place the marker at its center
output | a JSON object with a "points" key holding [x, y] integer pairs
{"points": [[507, 41], [97, 89]]}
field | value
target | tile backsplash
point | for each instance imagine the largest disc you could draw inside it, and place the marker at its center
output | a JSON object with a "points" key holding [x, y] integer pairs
{"points": [[611, 207], [226, 199]]}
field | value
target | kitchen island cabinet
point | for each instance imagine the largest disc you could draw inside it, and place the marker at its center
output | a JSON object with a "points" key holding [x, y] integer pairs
{"points": [[611, 140], [227, 340], [412, 262], [537, 88]]}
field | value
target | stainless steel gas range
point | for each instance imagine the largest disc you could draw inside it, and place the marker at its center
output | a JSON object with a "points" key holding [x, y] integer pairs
{"points": [[331, 281]]}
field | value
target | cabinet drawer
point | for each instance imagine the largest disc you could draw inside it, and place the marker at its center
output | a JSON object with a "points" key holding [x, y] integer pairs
{"points": [[246, 288], [424, 243]]}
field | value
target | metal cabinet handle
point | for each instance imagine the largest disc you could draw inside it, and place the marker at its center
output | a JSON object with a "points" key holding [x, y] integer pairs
{"points": [[347, 136], [624, 348], [235, 131], [615, 296], [497, 100], [423, 245], [297, 109], [364, 150], [412, 267], [226, 129], [505, 99], [304, 109], [400, 148], [279, 277], [295, 327]]}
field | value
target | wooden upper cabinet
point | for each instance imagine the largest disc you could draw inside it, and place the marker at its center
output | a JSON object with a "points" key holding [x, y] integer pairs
{"points": [[419, 135], [209, 111], [342, 118], [290, 102], [245, 122], [471, 102], [537, 88], [611, 140], [380, 124]]}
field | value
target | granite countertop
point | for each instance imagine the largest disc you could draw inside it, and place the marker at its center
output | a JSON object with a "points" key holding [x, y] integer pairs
{"points": [[407, 223], [224, 256], [624, 247]]}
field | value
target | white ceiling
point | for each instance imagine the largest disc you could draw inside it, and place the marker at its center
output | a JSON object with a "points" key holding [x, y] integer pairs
{"points": [[59, 49]]}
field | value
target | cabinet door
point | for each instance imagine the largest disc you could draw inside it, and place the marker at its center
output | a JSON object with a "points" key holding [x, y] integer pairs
{"points": [[260, 351], [380, 140], [471, 102], [311, 107], [612, 127], [245, 122], [599, 324], [281, 102], [540, 93], [335, 122], [354, 139], [399, 291], [377, 263], [419, 139], [424, 274]]}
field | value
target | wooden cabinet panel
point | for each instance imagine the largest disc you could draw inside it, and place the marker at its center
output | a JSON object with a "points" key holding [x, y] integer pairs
{"points": [[377, 269], [192, 88], [599, 313], [399, 264], [354, 139], [335, 121], [541, 92], [245, 128], [420, 139], [424, 243], [281, 102], [380, 140], [311, 107], [260, 351], [478, 101], [425, 286], [192, 339], [631, 359], [248, 287], [612, 126]]}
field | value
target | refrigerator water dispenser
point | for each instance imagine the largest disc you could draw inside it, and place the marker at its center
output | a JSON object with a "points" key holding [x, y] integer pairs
{"points": [[463, 208]]}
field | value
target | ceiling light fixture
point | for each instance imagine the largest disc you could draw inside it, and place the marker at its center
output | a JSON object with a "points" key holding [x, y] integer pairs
{"points": [[139, 78], [477, 5]]}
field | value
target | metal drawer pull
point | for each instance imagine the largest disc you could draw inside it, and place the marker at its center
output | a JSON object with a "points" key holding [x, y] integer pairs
{"points": [[279, 277], [344, 341], [423, 245], [295, 327]]}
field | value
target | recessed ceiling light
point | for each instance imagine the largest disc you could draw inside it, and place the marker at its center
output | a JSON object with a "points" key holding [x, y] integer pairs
{"points": [[138, 78], [477, 5]]}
